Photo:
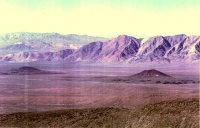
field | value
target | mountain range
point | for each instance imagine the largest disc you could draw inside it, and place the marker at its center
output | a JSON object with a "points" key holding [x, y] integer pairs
{"points": [[122, 49]]}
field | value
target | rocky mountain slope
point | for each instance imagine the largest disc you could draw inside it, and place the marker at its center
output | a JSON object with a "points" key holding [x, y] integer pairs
{"points": [[116, 50], [122, 49], [129, 50]]}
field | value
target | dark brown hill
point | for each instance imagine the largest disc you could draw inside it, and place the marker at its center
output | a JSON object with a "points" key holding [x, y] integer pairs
{"points": [[26, 70], [150, 73]]}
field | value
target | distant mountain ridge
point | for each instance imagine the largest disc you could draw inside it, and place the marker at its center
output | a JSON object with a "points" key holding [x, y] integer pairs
{"points": [[43, 42], [122, 49]]}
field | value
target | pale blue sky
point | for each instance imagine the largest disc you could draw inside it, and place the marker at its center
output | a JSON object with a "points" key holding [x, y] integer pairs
{"points": [[101, 17]]}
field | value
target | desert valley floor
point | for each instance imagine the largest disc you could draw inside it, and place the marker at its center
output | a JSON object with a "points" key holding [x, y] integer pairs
{"points": [[93, 86]]}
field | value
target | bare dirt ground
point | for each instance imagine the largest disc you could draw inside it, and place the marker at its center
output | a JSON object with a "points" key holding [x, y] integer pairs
{"points": [[39, 94]]}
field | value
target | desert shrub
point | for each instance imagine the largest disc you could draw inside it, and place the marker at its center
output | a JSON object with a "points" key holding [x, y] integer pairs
{"points": [[166, 82], [158, 81]]}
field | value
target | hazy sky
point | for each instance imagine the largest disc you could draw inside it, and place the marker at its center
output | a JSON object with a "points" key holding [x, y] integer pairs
{"points": [[101, 17]]}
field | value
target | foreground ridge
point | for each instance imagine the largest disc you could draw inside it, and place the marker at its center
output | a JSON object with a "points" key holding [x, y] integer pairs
{"points": [[176, 113]]}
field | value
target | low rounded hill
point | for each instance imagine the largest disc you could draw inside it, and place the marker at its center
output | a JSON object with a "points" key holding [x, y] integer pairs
{"points": [[27, 70], [152, 73]]}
